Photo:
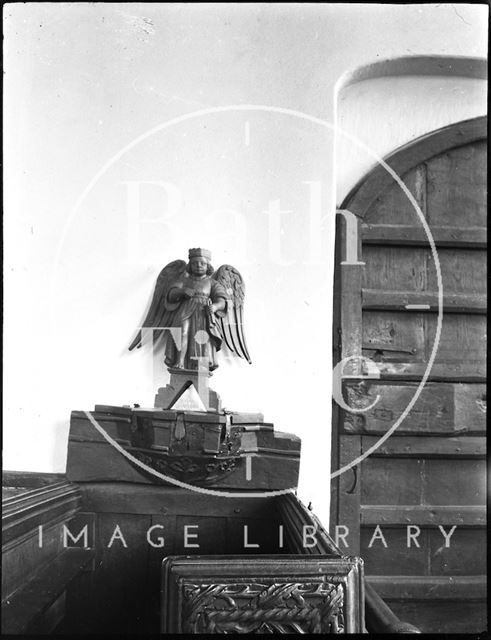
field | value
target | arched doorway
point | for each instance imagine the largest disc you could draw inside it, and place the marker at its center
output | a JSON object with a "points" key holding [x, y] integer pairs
{"points": [[430, 474]]}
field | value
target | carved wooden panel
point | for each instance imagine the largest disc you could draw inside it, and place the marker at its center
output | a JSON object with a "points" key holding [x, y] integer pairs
{"points": [[262, 594]]}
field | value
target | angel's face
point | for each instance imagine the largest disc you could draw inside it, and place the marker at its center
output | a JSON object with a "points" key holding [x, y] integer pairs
{"points": [[198, 266]]}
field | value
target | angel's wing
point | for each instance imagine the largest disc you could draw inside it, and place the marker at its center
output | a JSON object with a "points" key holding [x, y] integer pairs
{"points": [[158, 314], [231, 325]]}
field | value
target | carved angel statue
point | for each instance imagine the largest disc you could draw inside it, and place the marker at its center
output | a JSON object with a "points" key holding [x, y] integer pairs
{"points": [[205, 305]]}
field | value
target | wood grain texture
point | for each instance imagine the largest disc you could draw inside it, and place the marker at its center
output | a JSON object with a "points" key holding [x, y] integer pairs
{"points": [[120, 608], [25, 480], [462, 341], [23, 612], [441, 408], [23, 558], [409, 338], [415, 235], [430, 587], [24, 512], [392, 206], [113, 497], [456, 186], [294, 516], [392, 481], [440, 616], [460, 558], [463, 271], [439, 372], [424, 481], [350, 491], [394, 337], [374, 299], [396, 558], [459, 515], [427, 447], [432, 557], [409, 156], [395, 268]]}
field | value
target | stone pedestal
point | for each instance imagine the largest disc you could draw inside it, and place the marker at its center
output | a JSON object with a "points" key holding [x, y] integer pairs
{"points": [[177, 391]]}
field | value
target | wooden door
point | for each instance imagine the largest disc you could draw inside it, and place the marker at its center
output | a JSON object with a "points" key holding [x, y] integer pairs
{"points": [[431, 472]]}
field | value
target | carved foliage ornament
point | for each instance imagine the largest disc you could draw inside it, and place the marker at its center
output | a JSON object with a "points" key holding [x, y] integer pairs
{"points": [[196, 469], [260, 608]]}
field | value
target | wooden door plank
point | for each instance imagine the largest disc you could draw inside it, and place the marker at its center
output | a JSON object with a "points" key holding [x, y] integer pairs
{"points": [[392, 206], [458, 619], [409, 301], [401, 556], [415, 235], [431, 587], [349, 491], [462, 271], [423, 482], [112, 497], [403, 515], [430, 446], [394, 336], [396, 558], [395, 268], [465, 554], [441, 408], [392, 481], [462, 339], [340, 241], [461, 482], [439, 372], [456, 183]]}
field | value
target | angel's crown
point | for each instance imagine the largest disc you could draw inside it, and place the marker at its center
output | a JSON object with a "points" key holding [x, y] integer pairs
{"points": [[193, 253]]}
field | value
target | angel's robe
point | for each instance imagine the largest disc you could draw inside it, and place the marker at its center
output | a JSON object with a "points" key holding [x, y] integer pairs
{"points": [[202, 347]]}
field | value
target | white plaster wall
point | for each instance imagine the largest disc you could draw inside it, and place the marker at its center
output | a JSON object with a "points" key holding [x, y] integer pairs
{"points": [[387, 113], [82, 81]]}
